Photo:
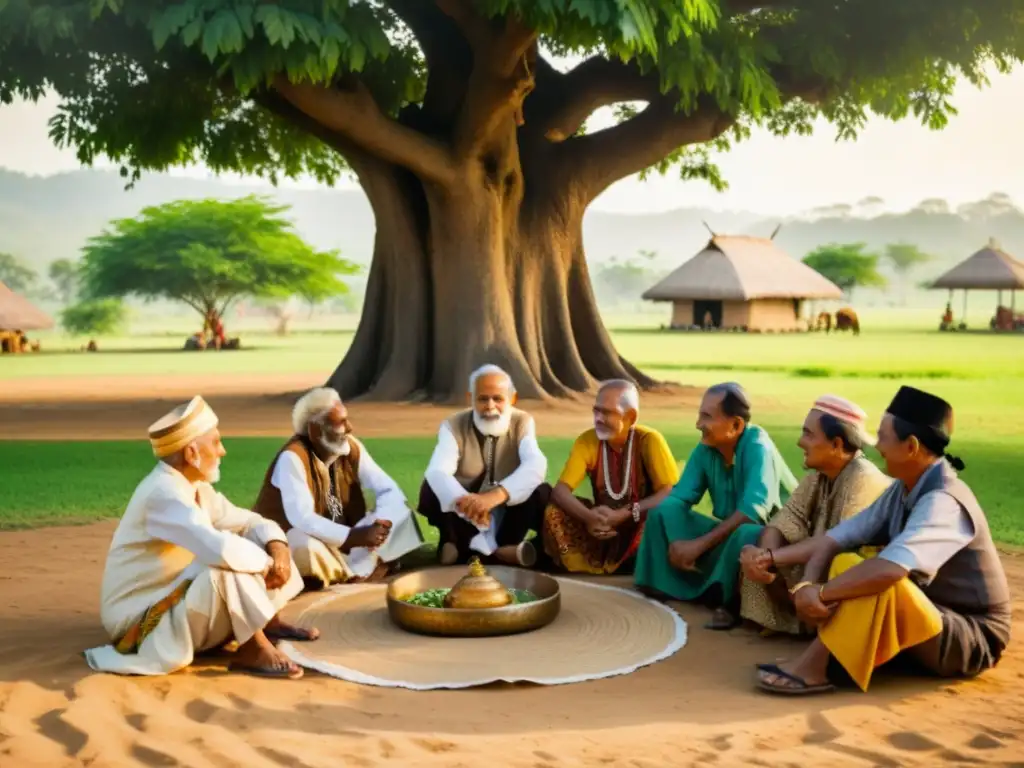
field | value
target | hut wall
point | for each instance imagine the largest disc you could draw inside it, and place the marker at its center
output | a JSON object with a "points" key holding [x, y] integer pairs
{"points": [[773, 315], [682, 314], [735, 314]]}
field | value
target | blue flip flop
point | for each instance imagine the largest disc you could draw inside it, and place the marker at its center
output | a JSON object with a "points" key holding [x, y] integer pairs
{"points": [[801, 689]]}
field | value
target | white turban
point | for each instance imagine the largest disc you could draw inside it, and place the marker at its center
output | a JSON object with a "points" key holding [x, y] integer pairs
{"points": [[182, 426]]}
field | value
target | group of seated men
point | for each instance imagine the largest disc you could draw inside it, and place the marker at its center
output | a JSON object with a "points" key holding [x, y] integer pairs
{"points": [[874, 567]]}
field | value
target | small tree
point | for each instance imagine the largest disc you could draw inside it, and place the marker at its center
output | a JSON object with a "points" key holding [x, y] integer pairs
{"points": [[17, 275], [847, 265], [63, 274], [94, 317], [904, 257], [208, 254]]}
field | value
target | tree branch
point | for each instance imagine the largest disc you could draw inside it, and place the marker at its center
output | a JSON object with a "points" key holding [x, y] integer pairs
{"points": [[597, 82], [504, 50], [614, 153], [354, 114]]}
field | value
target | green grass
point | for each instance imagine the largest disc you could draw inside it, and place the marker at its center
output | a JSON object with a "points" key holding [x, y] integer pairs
{"points": [[981, 374], [63, 483]]}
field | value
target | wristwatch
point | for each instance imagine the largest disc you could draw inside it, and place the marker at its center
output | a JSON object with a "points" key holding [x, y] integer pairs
{"points": [[635, 510]]}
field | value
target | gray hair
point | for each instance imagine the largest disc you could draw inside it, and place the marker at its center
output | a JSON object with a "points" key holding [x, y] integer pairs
{"points": [[490, 370], [629, 400], [312, 406]]}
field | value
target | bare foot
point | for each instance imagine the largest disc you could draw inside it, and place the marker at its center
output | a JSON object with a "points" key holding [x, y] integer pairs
{"points": [[277, 629], [259, 657]]}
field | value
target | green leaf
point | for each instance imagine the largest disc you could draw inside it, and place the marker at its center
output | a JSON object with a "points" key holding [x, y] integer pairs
{"points": [[191, 32], [169, 23]]}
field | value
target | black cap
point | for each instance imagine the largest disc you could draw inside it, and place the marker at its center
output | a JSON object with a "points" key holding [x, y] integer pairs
{"points": [[929, 417]]}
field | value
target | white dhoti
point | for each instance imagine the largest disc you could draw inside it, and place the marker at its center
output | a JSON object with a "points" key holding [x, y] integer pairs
{"points": [[318, 560], [218, 606]]}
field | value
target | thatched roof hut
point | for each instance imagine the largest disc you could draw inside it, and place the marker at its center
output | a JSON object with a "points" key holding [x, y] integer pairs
{"points": [[990, 269], [19, 314], [742, 282]]}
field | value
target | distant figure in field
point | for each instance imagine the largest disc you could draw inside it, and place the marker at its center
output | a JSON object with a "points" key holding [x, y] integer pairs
{"points": [[947, 319], [846, 320], [824, 321]]}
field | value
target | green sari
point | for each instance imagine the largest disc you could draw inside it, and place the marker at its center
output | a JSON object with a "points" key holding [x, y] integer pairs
{"points": [[757, 484]]}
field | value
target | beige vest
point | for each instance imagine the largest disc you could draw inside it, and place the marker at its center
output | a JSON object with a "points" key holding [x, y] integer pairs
{"points": [[472, 466]]}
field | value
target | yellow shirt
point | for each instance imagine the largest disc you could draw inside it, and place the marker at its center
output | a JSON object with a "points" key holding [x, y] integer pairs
{"points": [[658, 461]]}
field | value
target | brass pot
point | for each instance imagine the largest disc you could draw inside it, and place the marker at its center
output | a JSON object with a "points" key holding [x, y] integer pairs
{"points": [[478, 589], [467, 622]]}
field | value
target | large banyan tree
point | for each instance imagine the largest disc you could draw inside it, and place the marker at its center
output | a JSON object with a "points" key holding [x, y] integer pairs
{"points": [[465, 123]]}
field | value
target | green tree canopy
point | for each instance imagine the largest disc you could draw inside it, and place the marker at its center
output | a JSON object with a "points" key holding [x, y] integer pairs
{"points": [[63, 274], [17, 275], [208, 254], [905, 256], [94, 317], [847, 265], [464, 120]]}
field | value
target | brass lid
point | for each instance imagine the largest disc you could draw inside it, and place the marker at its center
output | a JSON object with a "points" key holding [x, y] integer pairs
{"points": [[477, 589]]}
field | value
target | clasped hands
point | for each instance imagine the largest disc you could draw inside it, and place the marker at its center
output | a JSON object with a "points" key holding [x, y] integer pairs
{"points": [[601, 521], [476, 507], [807, 603], [756, 564]]}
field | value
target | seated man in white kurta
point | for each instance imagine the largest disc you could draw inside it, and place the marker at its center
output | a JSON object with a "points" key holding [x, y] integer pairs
{"points": [[484, 489], [188, 571], [314, 490]]}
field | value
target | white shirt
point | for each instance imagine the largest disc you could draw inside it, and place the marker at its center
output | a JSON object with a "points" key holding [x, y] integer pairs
{"points": [[168, 524], [444, 463], [289, 477]]}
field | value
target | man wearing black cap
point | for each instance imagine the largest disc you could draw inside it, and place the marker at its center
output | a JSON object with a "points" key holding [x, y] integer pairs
{"points": [[937, 589]]}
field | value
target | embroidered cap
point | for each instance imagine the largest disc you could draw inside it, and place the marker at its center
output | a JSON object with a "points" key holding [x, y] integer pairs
{"points": [[181, 426], [847, 412]]}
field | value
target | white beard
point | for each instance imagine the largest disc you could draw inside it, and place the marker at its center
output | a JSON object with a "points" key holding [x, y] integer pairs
{"points": [[213, 476], [603, 433], [337, 449], [493, 427]]}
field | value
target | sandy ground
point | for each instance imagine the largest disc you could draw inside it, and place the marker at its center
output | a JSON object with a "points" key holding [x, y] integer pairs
{"points": [[114, 408], [698, 708]]}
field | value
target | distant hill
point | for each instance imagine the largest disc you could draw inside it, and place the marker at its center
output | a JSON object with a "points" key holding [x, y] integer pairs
{"points": [[47, 218]]}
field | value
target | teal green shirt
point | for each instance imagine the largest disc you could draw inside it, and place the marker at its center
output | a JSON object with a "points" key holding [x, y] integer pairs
{"points": [[757, 484]]}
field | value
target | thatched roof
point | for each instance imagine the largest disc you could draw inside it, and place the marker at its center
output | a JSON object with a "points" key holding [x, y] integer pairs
{"points": [[990, 269], [741, 268], [19, 314]]}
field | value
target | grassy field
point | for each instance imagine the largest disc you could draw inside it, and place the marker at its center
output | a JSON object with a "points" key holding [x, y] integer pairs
{"points": [[981, 374]]}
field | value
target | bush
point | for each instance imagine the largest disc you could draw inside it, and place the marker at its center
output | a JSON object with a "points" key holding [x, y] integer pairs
{"points": [[95, 317]]}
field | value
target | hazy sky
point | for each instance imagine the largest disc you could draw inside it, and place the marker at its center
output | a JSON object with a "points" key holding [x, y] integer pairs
{"points": [[903, 163]]}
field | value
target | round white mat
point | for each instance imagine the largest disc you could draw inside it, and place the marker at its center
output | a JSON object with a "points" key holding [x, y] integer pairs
{"points": [[601, 631]]}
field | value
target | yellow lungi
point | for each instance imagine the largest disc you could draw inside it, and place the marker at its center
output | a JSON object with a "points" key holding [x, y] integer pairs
{"points": [[866, 632]]}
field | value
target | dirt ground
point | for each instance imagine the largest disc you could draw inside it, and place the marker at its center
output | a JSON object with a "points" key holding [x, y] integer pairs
{"points": [[697, 708]]}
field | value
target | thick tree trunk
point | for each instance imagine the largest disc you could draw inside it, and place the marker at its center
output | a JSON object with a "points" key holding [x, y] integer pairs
{"points": [[458, 280]]}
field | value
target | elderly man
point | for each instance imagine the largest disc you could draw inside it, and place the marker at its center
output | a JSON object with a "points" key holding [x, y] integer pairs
{"points": [[484, 488], [936, 593], [631, 470], [689, 556], [189, 571], [314, 490], [841, 483]]}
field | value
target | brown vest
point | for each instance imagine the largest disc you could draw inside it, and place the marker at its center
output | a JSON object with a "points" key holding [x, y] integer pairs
{"points": [[340, 478], [472, 445]]}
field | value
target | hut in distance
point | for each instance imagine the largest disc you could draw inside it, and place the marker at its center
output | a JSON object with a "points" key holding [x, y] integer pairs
{"points": [[17, 315], [739, 282]]}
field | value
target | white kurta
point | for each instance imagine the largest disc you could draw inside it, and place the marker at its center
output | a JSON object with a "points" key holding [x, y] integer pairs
{"points": [[173, 531], [519, 485], [316, 541]]}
